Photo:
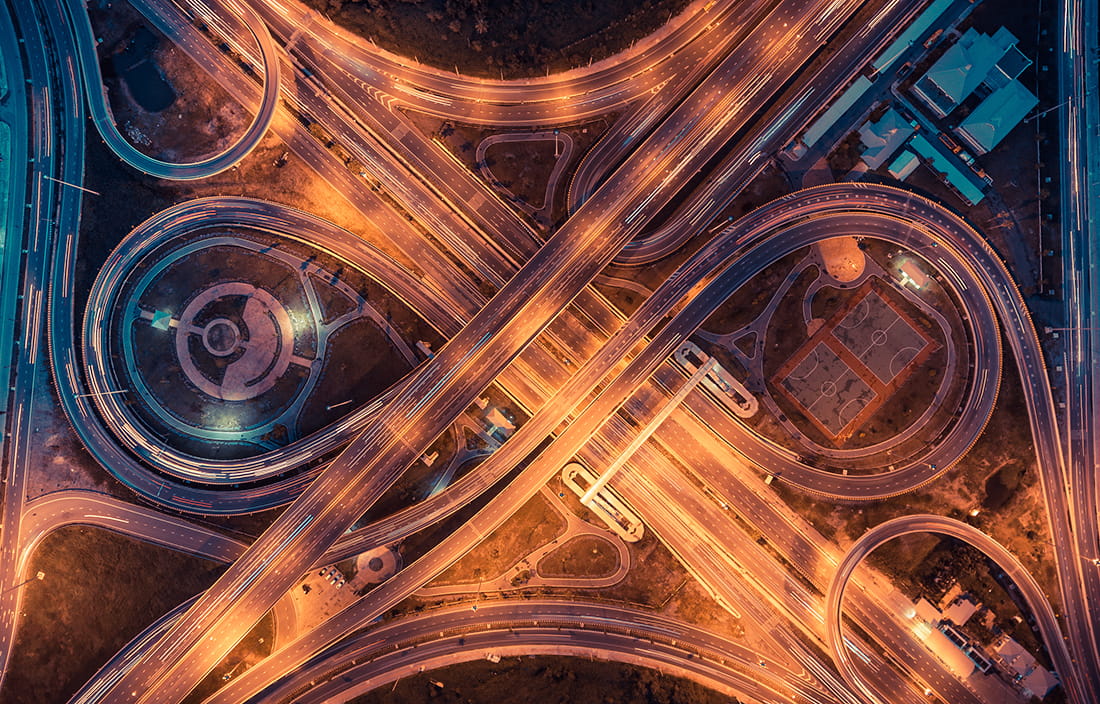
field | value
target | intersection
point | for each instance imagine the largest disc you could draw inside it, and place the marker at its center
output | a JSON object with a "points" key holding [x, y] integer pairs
{"points": [[515, 303]]}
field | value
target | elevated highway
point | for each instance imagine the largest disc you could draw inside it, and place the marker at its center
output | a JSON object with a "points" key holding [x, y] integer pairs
{"points": [[754, 249]]}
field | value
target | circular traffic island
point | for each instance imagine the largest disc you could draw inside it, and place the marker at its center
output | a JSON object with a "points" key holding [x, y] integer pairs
{"points": [[230, 343]]}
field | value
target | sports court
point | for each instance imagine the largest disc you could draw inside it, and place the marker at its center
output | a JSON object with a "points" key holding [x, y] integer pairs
{"points": [[855, 361]]}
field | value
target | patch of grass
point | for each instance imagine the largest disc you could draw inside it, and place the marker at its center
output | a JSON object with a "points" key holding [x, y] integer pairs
{"points": [[655, 575], [693, 604], [583, 556], [535, 524], [100, 590]]}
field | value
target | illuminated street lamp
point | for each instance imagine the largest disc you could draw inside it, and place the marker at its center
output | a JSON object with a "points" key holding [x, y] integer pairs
{"points": [[40, 575]]}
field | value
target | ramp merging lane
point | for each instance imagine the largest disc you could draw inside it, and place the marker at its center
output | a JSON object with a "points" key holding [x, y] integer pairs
{"points": [[438, 393], [171, 661], [104, 119], [762, 225]]}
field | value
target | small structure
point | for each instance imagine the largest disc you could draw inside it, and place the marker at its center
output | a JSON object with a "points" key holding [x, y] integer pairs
{"points": [[911, 34], [949, 652], [497, 424], [730, 392], [943, 165], [1034, 679], [960, 611], [906, 163], [912, 274], [161, 320], [881, 139], [927, 612]]}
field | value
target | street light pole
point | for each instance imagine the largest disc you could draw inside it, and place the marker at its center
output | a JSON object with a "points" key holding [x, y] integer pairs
{"points": [[40, 575], [102, 393]]}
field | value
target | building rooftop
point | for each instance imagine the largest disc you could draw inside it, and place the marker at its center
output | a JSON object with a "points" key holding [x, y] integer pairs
{"points": [[995, 117], [881, 139], [951, 654], [906, 163], [1009, 68], [909, 36], [1032, 676], [927, 612], [842, 104], [955, 178], [960, 611], [962, 68]]}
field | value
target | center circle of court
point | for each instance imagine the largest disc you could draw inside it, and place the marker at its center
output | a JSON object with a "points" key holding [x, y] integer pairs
{"points": [[221, 337], [828, 388], [878, 338]]}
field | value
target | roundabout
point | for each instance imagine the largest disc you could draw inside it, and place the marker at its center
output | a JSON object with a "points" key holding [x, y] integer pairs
{"points": [[226, 344], [233, 372]]}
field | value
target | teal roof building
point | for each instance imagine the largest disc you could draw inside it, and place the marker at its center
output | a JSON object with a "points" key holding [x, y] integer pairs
{"points": [[963, 68], [881, 139], [995, 116]]}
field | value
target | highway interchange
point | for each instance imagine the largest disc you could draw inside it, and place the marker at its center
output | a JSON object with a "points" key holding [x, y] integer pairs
{"points": [[506, 296]]}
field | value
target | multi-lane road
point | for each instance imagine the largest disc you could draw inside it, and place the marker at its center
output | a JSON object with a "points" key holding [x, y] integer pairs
{"points": [[508, 299]]}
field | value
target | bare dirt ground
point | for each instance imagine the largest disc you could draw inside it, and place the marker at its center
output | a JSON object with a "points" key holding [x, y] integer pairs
{"points": [[203, 120], [583, 556], [68, 627], [535, 524]]}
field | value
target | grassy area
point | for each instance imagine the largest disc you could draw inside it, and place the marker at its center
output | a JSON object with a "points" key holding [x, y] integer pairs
{"points": [[655, 575], [523, 168], [746, 304], [535, 523], [100, 590], [583, 556], [544, 679], [693, 604], [998, 476], [501, 38], [520, 168]]}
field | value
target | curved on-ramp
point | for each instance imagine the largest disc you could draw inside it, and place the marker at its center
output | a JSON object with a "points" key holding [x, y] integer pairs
{"points": [[925, 523], [104, 119]]}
